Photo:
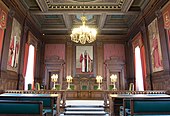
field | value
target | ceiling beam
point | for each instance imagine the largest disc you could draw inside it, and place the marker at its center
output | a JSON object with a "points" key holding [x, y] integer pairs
{"points": [[43, 5], [103, 29], [102, 21], [67, 21], [127, 5], [115, 29], [53, 29], [71, 12]]}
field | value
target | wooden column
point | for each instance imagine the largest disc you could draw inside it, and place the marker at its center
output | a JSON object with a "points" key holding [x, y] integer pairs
{"points": [[147, 55], [69, 59], [99, 59]]}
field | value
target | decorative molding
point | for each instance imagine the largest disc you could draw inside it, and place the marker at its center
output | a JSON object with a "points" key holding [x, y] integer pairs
{"points": [[62, 5], [54, 60], [32, 39], [114, 60]]}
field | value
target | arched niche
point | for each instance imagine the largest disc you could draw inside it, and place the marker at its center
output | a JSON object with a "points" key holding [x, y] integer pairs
{"points": [[115, 65], [53, 65]]}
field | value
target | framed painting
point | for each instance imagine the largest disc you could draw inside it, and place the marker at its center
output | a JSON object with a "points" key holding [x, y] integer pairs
{"points": [[14, 46], [84, 60], [155, 46]]}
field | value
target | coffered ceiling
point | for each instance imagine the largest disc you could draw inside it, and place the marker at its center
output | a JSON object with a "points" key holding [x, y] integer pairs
{"points": [[109, 17]]}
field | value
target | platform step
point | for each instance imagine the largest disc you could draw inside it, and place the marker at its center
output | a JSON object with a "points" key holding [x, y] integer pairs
{"points": [[84, 109], [85, 113], [91, 106]]}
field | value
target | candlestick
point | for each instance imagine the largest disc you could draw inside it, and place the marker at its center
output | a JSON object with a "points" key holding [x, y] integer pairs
{"points": [[69, 80], [99, 80], [54, 78], [114, 80]]}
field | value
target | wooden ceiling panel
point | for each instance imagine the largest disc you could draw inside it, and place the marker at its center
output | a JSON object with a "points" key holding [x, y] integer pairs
{"points": [[108, 16]]}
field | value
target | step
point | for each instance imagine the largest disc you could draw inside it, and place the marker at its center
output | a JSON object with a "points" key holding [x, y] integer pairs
{"points": [[85, 102], [84, 109], [85, 105], [84, 113]]}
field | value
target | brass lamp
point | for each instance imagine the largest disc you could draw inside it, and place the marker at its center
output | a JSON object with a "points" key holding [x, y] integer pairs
{"points": [[114, 80], [99, 80], [69, 80], [54, 79]]}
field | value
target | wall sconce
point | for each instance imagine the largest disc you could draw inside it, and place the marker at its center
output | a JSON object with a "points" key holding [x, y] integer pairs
{"points": [[69, 80], [113, 81], [99, 80], [131, 87], [2, 19], [54, 79]]}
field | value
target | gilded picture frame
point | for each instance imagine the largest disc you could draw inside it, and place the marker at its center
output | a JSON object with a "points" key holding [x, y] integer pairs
{"points": [[155, 46], [84, 61], [14, 46]]}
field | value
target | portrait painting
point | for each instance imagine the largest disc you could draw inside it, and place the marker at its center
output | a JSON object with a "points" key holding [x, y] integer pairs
{"points": [[14, 46], [84, 59], [155, 46]]}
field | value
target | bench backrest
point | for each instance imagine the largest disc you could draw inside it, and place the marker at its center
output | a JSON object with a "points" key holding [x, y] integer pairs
{"points": [[150, 106], [47, 102], [9, 107]]}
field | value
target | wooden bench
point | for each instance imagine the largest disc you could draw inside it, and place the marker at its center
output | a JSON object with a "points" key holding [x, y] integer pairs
{"points": [[48, 100], [116, 100], [125, 109], [48, 103], [21, 108], [149, 106]]}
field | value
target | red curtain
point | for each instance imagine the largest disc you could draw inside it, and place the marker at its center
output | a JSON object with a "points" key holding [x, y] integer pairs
{"points": [[25, 59], [1, 40], [168, 34], [142, 51], [34, 66], [137, 41], [135, 69]]}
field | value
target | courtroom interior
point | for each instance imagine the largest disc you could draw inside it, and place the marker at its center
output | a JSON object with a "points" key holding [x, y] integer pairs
{"points": [[84, 57]]}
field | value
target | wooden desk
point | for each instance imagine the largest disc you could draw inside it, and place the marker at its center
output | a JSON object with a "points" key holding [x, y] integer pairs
{"points": [[53, 97], [116, 100], [86, 95]]}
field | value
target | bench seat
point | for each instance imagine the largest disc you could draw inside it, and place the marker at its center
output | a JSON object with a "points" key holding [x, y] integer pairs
{"points": [[155, 107], [16, 108], [47, 103]]}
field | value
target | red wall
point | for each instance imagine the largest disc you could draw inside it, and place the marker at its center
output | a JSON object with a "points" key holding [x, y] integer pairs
{"points": [[115, 50], [55, 50]]}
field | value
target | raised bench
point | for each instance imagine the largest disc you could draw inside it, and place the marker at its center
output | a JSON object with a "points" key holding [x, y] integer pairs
{"points": [[21, 108], [149, 106]]}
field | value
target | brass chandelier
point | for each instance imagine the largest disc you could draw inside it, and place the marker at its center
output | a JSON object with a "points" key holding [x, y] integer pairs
{"points": [[83, 34]]}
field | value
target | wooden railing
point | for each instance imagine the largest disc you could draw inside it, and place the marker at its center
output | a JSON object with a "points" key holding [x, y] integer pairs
{"points": [[84, 94], [107, 91]]}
